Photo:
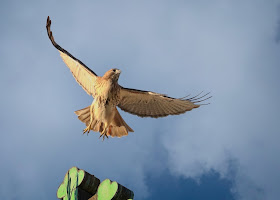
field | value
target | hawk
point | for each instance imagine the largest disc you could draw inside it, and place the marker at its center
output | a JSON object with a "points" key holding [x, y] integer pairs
{"points": [[102, 115]]}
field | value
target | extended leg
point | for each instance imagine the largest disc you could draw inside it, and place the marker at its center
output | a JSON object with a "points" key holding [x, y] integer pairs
{"points": [[87, 129], [105, 133]]}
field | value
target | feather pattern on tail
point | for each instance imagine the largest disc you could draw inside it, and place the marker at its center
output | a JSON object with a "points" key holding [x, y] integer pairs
{"points": [[118, 126]]}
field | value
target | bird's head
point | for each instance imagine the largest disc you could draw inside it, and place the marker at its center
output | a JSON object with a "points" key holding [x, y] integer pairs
{"points": [[112, 74]]}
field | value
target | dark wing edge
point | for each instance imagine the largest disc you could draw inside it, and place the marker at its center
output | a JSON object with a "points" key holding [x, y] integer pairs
{"points": [[150, 104], [58, 47], [83, 75]]}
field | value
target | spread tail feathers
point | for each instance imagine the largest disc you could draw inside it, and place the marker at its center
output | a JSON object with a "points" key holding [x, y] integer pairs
{"points": [[117, 128]]}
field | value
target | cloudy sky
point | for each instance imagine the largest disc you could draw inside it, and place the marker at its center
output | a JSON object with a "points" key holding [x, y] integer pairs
{"points": [[228, 150]]}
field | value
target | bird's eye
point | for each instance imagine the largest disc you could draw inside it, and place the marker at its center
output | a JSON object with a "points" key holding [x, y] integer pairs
{"points": [[114, 70]]}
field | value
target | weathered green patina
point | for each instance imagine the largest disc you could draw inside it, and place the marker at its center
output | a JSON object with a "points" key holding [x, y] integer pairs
{"points": [[68, 188], [80, 185], [107, 190]]}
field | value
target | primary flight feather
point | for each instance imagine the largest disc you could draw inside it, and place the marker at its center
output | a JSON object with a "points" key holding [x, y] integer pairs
{"points": [[102, 115]]}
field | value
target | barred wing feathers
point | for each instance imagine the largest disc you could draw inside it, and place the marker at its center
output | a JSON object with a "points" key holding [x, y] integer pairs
{"points": [[151, 104]]}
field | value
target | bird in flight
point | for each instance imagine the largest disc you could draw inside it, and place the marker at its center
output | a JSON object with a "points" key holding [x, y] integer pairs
{"points": [[102, 115]]}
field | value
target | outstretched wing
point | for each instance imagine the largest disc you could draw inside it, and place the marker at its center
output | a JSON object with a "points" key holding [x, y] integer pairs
{"points": [[151, 104], [83, 75]]}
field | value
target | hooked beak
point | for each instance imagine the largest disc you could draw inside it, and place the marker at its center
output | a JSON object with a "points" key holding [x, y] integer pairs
{"points": [[118, 71]]}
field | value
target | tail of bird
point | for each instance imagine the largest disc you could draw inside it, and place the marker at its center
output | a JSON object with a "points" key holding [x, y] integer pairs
{"points": [[118, 126]]}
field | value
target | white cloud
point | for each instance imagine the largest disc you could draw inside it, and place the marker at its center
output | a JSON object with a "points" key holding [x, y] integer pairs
{"points": [[240, 124]]}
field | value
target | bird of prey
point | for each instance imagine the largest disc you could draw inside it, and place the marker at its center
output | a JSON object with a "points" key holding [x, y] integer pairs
{"points": [[102, 115]]}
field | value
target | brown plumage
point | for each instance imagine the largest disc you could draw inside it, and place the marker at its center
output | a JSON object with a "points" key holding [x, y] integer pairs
{"points": [[102, 115]]}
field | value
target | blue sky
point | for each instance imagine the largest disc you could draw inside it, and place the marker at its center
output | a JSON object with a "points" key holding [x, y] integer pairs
{"points": [[226, 150]]}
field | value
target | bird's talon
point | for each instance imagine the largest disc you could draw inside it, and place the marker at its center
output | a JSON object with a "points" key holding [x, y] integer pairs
{"points": [[103, 135], [86, 130]]}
